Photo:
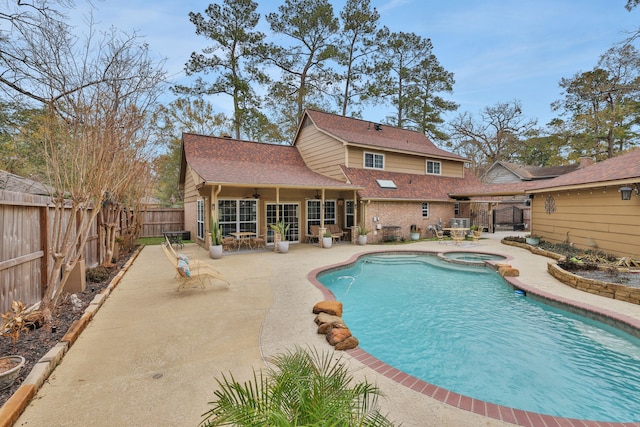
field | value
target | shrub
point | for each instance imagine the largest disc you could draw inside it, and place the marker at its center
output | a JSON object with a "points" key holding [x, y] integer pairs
{"points": [[98, 274], [304, 388]]}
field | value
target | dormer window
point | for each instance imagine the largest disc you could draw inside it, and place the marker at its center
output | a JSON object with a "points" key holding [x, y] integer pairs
{"points": [[433, 168], [373, 161]]}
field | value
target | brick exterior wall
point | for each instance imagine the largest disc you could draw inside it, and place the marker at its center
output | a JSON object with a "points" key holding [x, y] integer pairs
{"points": [[405, 214]]}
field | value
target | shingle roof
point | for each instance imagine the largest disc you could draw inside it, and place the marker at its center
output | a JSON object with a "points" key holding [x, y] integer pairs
{"points": [[528, 172], [364, 133], [621, 167], [19, 184], [231, 161], [409, 186]]}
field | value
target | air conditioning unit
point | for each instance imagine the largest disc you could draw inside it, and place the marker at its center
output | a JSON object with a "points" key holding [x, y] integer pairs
{"points": [[461, 222]]}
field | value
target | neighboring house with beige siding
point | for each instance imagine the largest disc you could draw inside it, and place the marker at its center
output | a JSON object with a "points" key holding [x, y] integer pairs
{"points": [[584, 207], [338, 170]]}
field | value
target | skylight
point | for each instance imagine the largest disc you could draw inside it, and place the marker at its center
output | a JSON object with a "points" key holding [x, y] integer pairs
{"points": [[386, 183]]}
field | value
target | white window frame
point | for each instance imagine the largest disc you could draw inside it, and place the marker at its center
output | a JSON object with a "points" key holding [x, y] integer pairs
{"points": [[456, 208], [237, 215], [327, 219], [349, 213], [425, 209], [434, 165], [374, 156], [200, 227]]}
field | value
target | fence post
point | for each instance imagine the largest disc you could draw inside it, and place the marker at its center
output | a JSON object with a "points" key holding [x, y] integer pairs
{"points": [[44, 245]]}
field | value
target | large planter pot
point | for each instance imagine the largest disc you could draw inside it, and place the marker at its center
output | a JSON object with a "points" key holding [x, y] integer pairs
{"points": [[415, 236], [215, 252], [10, 367], [326, 242], [534, 241], [362, 239], [283, 246]]}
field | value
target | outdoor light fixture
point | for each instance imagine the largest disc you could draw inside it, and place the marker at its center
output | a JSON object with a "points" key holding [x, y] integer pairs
{"points": [[625, 192]]}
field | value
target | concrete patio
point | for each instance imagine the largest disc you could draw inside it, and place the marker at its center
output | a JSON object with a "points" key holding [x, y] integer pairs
{"points": [[150, 355]]}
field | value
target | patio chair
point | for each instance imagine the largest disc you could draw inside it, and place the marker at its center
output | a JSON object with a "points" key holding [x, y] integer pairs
{"points": [[315, 234], [193, 271], [258, 242], [229, 243], [439, 235], [336, 232]]}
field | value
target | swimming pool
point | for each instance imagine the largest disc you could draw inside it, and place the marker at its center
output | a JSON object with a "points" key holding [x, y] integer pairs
{"points": [[471, 257], [463, 328]]}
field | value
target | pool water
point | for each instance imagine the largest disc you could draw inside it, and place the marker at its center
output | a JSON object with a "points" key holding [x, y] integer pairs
{"points": [[472, 257], [464, 329]]}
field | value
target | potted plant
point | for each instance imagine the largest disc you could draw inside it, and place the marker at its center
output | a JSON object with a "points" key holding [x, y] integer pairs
{"points": [[281, 228], [362, 234], [215, 250], [532, 240], [415, 232], [327, 240]]}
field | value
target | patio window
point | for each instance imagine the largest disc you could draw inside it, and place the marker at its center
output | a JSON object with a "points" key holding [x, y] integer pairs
{"points": [[287, 212], [238, 216], [433, 168], [200, 219], [349, 210], [373, 161], [313, 213]]}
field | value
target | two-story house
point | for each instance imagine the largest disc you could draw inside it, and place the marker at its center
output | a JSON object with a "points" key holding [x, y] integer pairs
{"points": [[338, 170]]}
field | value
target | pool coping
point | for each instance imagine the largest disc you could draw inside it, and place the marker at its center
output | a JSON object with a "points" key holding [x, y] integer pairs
{"points": [[470, 404]]}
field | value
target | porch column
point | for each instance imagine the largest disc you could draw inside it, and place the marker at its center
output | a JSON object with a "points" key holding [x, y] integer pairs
{"points": [[276, 236], [322, 228], [356, 220]]}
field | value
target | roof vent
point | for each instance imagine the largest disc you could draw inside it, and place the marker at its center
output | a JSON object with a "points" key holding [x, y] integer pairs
{"points": [[377, 126], [226, 136]]}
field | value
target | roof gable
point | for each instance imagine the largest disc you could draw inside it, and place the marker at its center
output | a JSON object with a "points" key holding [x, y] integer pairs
{"points": [[374, 135], [529, 172]]}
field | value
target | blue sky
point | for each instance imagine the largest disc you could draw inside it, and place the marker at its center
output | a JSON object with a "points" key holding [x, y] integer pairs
{"points": [[498, 50]]}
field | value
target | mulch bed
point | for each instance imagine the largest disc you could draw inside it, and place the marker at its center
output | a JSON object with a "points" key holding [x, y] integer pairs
{"points": [[36, 343]]}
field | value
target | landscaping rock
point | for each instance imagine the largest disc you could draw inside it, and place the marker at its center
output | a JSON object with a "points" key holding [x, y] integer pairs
{"points": [[328, 318], [337, 335], [330, 307], [347, 344]]}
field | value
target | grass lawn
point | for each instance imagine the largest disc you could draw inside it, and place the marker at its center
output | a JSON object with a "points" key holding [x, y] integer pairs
{"points": [[148, 241]]}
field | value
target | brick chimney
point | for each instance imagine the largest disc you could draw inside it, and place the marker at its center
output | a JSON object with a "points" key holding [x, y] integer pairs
{"points": [[584, 162]]}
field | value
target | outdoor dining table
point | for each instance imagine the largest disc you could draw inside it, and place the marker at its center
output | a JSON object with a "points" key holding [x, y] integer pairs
{"points": [[457, 233], [244, 238], [175, 237]]}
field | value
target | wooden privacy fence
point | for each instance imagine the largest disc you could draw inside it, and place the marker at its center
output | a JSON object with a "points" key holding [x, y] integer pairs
{"points": [[158, 220], [26, 227], [25, 260]]}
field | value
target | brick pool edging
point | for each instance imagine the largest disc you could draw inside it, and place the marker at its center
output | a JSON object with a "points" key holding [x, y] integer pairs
{"points": [[470, 404]]}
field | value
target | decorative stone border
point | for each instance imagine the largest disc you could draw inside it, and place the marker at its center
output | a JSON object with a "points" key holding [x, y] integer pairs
{"points": [[592, 286], [15, 405]]}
